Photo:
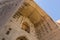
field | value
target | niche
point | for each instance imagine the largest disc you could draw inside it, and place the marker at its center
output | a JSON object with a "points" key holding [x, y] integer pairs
{"points": [[26, 27]]}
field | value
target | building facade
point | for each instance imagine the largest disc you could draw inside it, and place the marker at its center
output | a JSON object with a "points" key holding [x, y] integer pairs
{"points": [[25, 20]]}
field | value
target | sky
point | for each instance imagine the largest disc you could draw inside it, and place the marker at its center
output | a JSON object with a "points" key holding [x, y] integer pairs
{"points": [[51, 7]]}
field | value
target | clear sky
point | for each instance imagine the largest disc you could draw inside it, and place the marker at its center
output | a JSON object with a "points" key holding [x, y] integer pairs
{"points": [[51, 7]]}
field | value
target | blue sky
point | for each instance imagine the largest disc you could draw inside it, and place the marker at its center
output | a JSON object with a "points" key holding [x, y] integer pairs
{"points": [[51, 7]]}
